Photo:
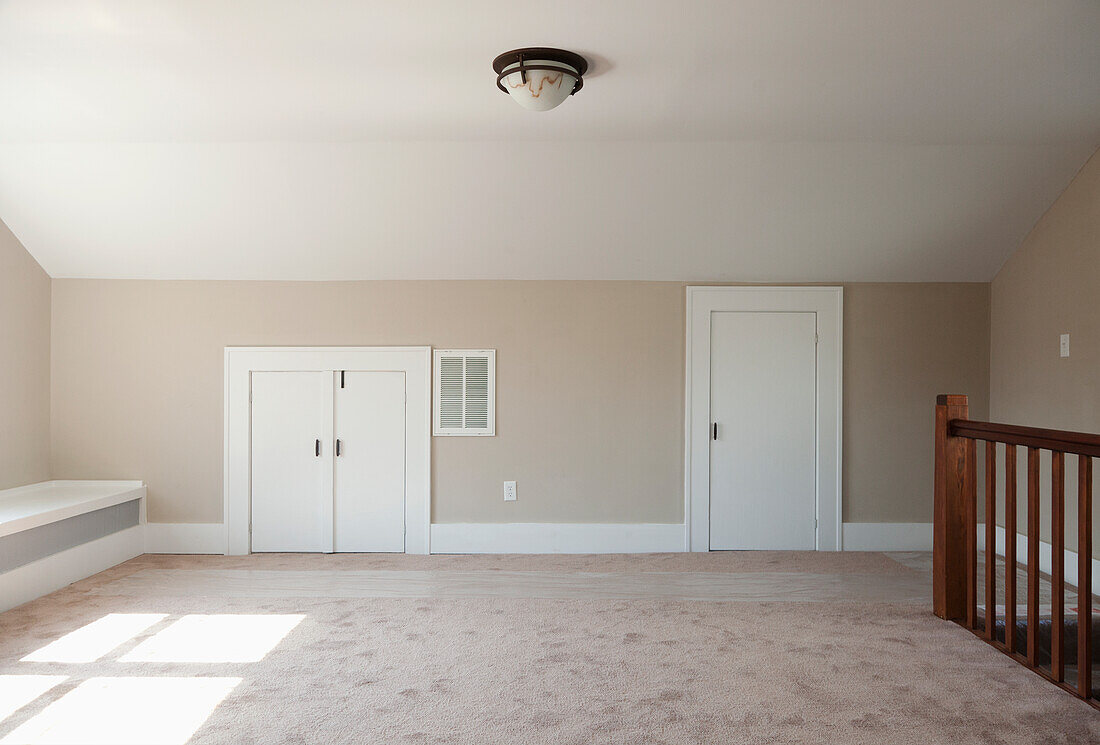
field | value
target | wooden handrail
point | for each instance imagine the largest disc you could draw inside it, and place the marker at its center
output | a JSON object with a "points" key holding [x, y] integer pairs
{"points": [[955, 553], [1077, 443]]}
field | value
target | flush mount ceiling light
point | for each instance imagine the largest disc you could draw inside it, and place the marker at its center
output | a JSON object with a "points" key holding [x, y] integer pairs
{"points": [[540, 78]]}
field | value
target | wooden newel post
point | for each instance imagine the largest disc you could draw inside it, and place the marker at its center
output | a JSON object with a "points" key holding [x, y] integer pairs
{"points": [[950, 508]]}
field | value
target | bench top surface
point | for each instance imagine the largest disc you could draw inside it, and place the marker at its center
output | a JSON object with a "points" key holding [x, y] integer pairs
{"points": [[31, 506]]}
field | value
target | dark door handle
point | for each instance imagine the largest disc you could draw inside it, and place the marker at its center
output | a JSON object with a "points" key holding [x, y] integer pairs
{"points": [[714, 430], [337, 448], [317, 447]]}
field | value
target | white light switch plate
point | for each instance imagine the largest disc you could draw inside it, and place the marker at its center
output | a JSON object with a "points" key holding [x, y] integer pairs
{"points": [[1063, 347], [509, 491]]}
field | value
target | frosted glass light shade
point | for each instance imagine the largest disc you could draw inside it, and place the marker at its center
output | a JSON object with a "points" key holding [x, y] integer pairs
{"points": [[544, 89]]}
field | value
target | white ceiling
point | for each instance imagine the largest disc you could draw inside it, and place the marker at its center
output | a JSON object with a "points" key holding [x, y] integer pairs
{"points": [[774, 140]]}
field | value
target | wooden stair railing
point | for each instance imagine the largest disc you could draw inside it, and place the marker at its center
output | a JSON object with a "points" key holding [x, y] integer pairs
{"points": [[955, 551]]}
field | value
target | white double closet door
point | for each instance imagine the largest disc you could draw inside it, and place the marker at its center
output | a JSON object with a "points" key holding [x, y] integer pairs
{"points": [[328, 461]]}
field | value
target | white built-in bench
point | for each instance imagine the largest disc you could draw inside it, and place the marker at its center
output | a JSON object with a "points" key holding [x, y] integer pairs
{"points": [[57, 532]]}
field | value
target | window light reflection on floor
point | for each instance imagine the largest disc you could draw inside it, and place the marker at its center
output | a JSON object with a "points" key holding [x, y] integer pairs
{"points": [[126, 711], [16, 691], [215, 638], [90, 642]]}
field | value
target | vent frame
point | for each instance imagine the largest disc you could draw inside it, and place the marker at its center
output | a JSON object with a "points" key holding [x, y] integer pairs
{"points": [[483, 408]]}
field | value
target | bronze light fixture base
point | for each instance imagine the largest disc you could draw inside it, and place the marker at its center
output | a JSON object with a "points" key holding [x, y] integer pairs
{"points": [[561, 60]]}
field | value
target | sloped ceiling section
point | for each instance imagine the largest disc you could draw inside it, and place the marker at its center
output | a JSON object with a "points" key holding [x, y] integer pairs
{"points": [[714, 140], [721, 211]]}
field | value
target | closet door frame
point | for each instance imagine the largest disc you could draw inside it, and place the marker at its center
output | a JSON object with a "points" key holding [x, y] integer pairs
{"points": [[241, 362], [702, 303]]}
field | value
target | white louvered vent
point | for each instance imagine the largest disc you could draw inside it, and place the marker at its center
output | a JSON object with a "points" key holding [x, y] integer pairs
{"points": [[464, 392]]}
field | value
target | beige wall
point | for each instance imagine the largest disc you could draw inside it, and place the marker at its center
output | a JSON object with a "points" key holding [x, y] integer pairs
{"points": [[1051, 286], [590, 386], [24, 365], [903, 345], [589, 398]]}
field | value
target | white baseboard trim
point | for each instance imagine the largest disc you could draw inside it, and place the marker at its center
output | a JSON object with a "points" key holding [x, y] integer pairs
{"points": [[185, 538], [25, 583], [1046, 552], [887, 537], [556, 538]]}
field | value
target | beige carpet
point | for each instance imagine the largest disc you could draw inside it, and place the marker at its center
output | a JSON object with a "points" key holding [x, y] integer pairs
{"points": [[533, 670]]}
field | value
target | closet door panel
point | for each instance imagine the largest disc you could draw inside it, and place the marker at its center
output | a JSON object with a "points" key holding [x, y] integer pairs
{"points": [[291, 472], [369, 476]]}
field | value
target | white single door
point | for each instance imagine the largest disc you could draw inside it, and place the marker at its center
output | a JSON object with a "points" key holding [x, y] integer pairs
{"points": [[369, 480], [763, 454], [291, 461]]}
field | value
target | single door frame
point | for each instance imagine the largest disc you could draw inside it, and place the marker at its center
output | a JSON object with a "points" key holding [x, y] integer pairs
{"points": [[241, 362], [702, 301]]}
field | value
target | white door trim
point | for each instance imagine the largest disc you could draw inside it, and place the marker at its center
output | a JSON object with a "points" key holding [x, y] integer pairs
{"points": [[416, 362], [827, 303]]}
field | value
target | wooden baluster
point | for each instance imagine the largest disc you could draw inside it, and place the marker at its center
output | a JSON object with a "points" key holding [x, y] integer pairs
{"points": [[1084, 575], [970, 494], [1010, 548], [1033, 557], [990, 540], [950, 524], [1057, 564]]}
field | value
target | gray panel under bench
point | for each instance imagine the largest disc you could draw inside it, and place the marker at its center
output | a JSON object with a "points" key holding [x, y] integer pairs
{"points": [[26, 546]]}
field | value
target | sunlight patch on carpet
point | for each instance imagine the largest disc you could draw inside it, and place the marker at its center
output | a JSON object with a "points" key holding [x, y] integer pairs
{"points": [[126, 711], [16, 691], [216, 638], [90, 642]]}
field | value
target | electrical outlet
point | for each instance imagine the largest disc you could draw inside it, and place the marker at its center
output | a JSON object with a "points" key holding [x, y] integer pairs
{"points": [[1063, 345], [509, 491]]}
